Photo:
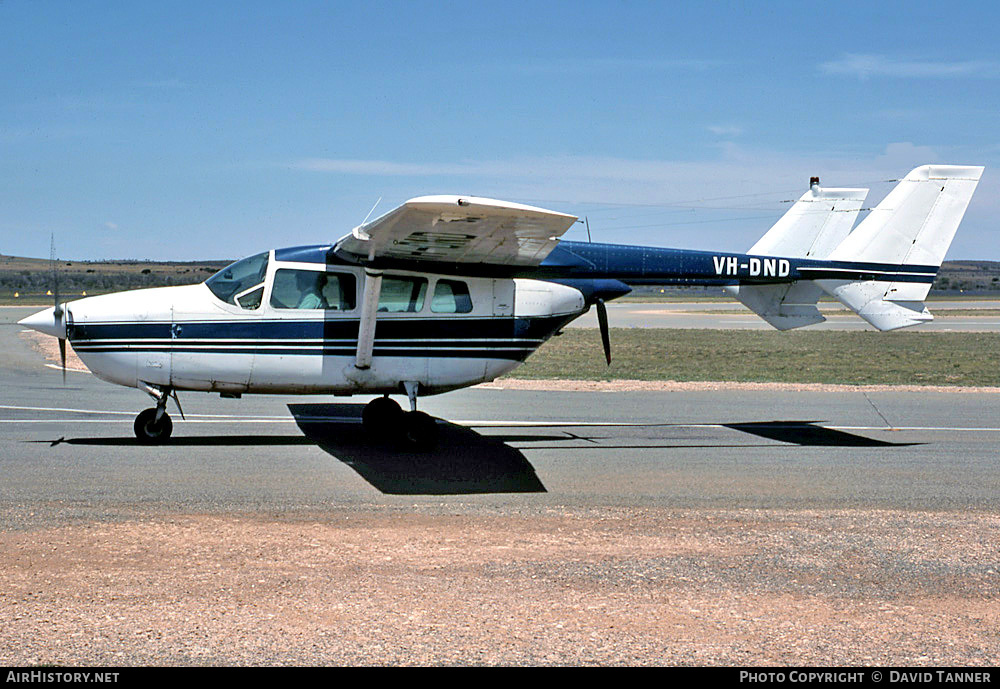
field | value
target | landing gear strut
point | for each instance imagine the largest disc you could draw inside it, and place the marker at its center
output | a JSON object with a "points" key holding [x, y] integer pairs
{"points": [[384, 418], [153, 426]]}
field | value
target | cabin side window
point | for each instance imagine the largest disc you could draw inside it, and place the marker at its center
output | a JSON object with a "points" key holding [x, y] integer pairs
{"points": [[402, 294], [235, 283], [313, 289], [451, 296], [251, 300]]}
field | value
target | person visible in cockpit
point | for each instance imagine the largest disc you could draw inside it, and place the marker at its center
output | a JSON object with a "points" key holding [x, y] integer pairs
{"points": [[310, 285]]}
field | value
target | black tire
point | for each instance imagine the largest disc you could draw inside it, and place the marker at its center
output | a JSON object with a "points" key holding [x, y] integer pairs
{"points": [[382, 417], [148, 431], [420, 430]]}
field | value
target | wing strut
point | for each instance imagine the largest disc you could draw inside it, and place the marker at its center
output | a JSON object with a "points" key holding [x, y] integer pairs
{"points": [[369, 311]]}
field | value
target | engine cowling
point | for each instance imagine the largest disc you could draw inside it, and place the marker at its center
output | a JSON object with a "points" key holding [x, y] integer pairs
{"points": [[540, 298]]}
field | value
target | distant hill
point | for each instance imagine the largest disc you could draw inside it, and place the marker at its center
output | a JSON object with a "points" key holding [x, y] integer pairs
{"points": [[32, 277], [968, 276]]}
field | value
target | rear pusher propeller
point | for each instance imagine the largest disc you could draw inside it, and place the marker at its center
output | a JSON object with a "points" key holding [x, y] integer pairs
{"points": [[602, 322], [602, 310]]}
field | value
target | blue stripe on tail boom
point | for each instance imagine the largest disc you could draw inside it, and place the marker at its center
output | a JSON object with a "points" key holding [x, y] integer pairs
{"points": [[637, 265], [647, 265]]}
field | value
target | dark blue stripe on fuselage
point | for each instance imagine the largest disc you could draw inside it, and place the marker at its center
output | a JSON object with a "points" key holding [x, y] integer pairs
{"points": [[498, 338], [347, 328], [508, 354]]}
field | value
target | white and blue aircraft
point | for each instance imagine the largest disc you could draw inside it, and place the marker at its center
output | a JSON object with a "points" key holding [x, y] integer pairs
{"points": [[446, 292]]}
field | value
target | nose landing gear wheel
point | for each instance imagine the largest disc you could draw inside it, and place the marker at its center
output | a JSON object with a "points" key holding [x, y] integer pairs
{"points": [[148, 431]]}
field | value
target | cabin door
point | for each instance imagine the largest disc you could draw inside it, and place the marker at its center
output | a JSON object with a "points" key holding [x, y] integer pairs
{"points": [[213, 351], [503, 297]]}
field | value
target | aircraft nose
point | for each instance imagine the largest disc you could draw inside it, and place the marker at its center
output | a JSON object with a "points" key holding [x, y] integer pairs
{"points": [[46, 322]]}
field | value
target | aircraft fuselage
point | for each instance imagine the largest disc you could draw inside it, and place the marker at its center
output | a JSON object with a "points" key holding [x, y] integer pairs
{"points": [[440, 331]]}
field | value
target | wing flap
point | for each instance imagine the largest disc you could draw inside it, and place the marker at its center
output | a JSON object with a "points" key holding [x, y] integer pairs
{"points": [[459, 229]]}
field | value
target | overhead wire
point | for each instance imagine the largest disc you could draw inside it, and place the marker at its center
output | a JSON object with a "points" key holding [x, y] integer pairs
{"points": [[686, 203], [680, 206]]}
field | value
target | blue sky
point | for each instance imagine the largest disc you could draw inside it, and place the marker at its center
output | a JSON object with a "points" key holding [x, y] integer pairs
{"points": [[214, 130]]}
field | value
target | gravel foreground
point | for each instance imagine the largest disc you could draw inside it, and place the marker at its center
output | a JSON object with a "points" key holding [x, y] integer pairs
{"points": [[462, 585]]}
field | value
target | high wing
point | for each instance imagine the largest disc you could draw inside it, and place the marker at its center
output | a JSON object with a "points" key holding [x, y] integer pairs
{"points": [[459, 229]]}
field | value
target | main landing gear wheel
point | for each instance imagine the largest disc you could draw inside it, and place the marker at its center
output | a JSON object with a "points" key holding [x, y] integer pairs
{"points": [[381, 416], [420, 430], [384, 419], [148, 431]]}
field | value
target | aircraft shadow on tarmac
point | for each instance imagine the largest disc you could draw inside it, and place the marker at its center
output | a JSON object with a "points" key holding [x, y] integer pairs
{"points": [[465, 461], [808, 433], [462, 462]]}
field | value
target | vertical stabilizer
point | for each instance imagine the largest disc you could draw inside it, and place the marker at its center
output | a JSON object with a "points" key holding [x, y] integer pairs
{"points": [[905, 237], [816, 224], [915, 223]]}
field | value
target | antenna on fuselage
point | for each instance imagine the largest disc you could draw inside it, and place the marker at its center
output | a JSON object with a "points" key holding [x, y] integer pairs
{"points": [[586, 222], [372, 210], [360, 233]]}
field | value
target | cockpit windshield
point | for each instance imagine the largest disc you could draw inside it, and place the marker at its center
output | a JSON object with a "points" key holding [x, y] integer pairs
{"points": [[238, 277]]}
